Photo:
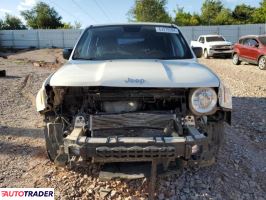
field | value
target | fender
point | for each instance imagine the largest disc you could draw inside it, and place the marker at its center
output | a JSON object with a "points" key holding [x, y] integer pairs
{"points": [[41, 98]]}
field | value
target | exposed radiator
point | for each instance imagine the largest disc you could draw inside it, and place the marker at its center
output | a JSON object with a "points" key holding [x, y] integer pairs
{"points": [[130, 120]]}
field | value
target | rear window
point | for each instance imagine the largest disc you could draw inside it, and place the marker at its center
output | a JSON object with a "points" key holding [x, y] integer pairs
{"points": [[263, 40], [214, 39]]}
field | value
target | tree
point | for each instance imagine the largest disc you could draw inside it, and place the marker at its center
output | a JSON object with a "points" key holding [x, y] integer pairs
{"points": [[213, 12], [183, 18], [259, 16], [1, 24], [42, 16], [150, 11], [68, 25], [242, 14], [210, 9], [224, 17], [11, 22], [77, 25]]}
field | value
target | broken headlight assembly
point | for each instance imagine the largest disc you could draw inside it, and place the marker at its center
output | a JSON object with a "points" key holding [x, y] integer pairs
{"points": [[203, 101]]}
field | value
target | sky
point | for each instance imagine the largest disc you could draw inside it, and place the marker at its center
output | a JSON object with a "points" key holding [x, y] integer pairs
{"points": [[89, 12]]}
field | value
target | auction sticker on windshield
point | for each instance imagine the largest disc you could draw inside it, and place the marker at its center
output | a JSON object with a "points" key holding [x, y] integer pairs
{"points": [[26, 193], [166, 30]]}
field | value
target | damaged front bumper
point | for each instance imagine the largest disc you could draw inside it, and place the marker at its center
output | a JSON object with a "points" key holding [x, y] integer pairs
{"points": [[127, 149]]}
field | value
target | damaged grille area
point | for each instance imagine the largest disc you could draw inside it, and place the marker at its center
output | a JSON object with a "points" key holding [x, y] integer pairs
{"points": [[130, 120], [111, 111], [221, 47], [93, 100]]}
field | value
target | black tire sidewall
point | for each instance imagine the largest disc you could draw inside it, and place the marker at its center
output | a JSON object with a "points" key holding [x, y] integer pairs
{"points": [[51, 147]]}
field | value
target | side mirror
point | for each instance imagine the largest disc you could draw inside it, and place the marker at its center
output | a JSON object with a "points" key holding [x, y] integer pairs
{"points": [[257, 45], [197, 51], [66, 53]]}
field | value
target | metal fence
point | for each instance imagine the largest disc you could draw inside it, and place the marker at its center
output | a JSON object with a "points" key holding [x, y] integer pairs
{"points": [[39, 38], [64, 38], [230, 32]]}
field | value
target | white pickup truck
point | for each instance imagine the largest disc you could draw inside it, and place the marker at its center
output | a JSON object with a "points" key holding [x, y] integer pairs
{"points": [[213, 45]]}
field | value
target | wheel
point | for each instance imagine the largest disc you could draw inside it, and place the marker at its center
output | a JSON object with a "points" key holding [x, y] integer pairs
{"points": [[205, 54], [262, 63], [215, 134], [53, 139], [236, 60]]}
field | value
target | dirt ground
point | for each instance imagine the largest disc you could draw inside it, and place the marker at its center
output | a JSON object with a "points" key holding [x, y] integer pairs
{"points": [[240, 172]]}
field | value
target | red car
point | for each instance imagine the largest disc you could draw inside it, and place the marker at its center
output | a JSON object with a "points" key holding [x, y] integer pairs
{"points": [[251, 49]]}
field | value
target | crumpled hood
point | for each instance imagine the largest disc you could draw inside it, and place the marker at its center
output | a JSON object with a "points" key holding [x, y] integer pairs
{"points": [[135, 73]]}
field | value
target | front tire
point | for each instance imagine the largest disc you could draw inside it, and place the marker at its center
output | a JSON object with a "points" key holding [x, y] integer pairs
{"points": [[236, 60], [53, 139], [215, 134], [262, 63]]}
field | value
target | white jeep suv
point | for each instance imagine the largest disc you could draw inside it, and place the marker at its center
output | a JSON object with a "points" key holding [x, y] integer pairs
{"points": [[133, 92]]}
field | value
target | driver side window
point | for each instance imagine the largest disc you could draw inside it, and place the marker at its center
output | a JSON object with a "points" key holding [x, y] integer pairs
{"points": [[246, 42], [201, 40]]}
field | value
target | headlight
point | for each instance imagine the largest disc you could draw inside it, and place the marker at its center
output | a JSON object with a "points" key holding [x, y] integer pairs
{"points": [[203, 101], [225, 97]]}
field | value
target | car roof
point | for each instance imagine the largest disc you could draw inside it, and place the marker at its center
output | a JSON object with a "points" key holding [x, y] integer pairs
{"points": [[251, 36], [210, 35], [135, 23]]}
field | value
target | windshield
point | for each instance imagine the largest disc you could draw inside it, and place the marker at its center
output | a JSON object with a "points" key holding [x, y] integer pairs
{"points": [[263, 40], [132, 42], [214, 39]]}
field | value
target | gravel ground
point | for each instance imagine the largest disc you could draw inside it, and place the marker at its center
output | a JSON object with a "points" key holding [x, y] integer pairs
{"points": [[240, 172]]}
